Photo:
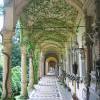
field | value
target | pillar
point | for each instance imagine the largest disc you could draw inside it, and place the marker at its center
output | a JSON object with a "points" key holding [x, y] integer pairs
{"points": [[82, 67], [6, 87], [60, 68], [97, 31], [97, 6], [31, 73], [70, 60], [67, 66], [41, 66], [39, 70], [23, 72], [7, 43], [64, 64], [47, 69], [89, 52]]}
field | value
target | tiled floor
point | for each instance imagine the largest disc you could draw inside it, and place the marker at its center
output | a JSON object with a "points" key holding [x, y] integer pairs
{"points": [[48, 89]]}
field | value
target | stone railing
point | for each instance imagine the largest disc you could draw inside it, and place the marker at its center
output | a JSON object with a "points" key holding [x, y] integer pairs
{"points": [[73, 77]]}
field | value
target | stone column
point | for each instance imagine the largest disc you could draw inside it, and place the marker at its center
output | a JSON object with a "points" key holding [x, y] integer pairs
{"points": [[47, 69], [97, 29], [67, 67], [64, 64], [70, 61], [89, 52], [6, 87], [41, 68], [31, 73], [23, 72], [82, 67], [60, 68]]}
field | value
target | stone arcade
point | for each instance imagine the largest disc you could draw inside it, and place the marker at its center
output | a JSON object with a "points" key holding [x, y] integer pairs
{"points": [[66, 31]]}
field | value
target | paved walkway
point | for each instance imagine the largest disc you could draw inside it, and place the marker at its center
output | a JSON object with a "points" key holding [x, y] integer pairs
{"points": [[49, 89]]}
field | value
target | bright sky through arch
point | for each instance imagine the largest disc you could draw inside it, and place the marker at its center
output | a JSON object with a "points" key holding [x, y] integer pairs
{"points": [[1, 16]]}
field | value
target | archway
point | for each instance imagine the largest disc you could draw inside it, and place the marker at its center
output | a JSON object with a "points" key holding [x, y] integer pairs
{"points": [[49, 25], [51, 64]]}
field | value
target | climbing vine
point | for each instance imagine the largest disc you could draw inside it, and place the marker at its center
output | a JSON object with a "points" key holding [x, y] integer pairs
{"points": [[49, 18], [36, 63]]}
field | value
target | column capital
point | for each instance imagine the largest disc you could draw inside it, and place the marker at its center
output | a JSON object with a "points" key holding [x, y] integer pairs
{"points": [[6, 32], [7, 41], [7, 36]]}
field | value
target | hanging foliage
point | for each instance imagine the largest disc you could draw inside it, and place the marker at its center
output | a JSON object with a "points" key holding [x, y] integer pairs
{"points": [[16, 80], [54, 17], [36, 63]]}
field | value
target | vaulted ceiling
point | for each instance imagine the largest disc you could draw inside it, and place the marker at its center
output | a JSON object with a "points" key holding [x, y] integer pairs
{"points": [[49, 20], [48, 23]]}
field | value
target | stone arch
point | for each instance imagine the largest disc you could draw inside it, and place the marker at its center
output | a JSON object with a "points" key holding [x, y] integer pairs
{"points": [[51, 59], [20, 4], [77, 4], [47, 61], [16, 8]]}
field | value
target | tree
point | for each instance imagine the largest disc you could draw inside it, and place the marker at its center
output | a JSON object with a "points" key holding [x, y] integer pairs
{"points": [[16, 54]]}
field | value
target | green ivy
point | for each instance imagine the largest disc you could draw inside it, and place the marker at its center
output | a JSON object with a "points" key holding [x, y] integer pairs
{"points": [[46, 16], [36, 64]]}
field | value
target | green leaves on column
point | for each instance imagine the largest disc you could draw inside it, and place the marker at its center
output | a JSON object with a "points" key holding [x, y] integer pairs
{"points": [[36, 64], [34, 50], [30, 47]]}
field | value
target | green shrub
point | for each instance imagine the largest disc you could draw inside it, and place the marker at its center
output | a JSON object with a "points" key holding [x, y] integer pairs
{"points": [[16, 80]]}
